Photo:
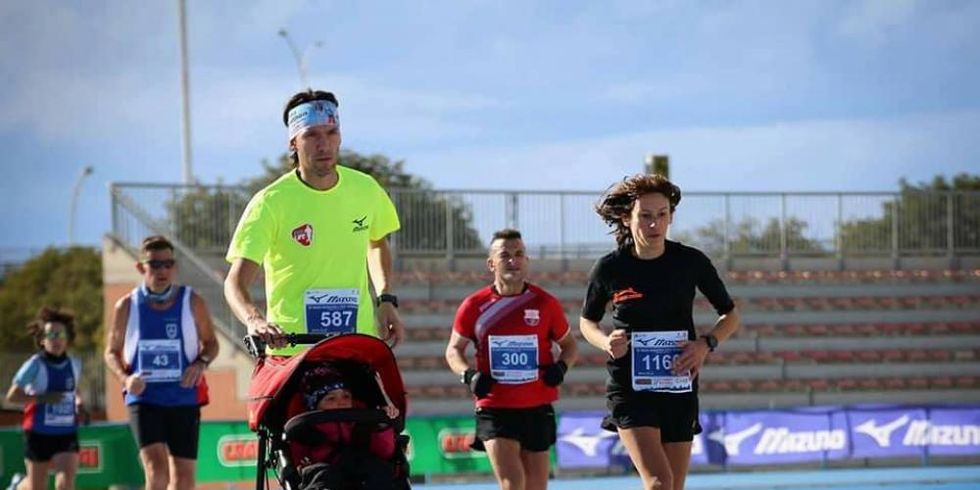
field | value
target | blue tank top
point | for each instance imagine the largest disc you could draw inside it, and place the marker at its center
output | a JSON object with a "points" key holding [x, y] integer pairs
{"points": [[160, 344], [40, 375]]}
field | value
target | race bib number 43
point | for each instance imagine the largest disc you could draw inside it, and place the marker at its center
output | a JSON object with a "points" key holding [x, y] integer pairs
{"points": [[331, 311], [654, 356], [514, 358], [160, 360]]}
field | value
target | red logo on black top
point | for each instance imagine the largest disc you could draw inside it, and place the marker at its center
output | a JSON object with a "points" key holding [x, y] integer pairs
{"points": [[303, 234], [626, 295]]}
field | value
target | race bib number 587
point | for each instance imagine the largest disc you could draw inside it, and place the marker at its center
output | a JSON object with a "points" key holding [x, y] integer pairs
{"points": [[331, 310]]}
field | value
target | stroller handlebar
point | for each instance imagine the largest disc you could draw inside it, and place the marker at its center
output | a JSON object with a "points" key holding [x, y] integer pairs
{"points": [[256, 345]]}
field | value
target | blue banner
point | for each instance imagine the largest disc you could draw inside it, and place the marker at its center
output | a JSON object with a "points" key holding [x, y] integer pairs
{"points": [[810, 434], [582, 443]]}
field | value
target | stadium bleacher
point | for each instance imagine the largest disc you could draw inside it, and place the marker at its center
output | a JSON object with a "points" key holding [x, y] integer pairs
{"points": [[807, 338]]}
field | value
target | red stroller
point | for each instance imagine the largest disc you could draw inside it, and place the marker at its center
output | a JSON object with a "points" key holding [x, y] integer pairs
{"points": [[288, 434]]}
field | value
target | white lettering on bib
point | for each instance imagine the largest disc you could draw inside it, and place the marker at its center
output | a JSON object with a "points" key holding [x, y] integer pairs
{"points": [[514, 358], [160, 361], [654, 355], [62, 412], [330, 311]]}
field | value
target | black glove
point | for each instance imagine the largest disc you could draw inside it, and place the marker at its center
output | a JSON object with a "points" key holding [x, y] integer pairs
{"points": [[555, 373], [478, 383]]}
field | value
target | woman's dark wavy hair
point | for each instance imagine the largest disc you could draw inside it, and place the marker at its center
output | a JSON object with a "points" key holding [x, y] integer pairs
{"points": [[617, 202], [46, 315]]}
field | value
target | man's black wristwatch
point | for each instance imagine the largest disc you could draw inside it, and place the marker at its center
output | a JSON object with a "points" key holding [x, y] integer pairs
{"points": [[711, 340], [387, 298]]}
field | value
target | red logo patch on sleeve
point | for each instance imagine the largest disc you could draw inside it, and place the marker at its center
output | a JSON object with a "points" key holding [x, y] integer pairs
{"points": [[303, 234]]}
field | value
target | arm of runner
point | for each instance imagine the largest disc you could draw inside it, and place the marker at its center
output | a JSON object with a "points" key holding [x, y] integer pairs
{"points": [[456, 353], [24, 377], [241, 275], [390, 409], [569, 349], [390, 324], [697, 350], [478, 383], [133, 383], [554, 374], [615, 344], [16, 394], [208, 343]]}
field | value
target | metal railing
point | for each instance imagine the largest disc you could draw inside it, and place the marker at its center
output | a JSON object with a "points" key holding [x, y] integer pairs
{"points": [[452, 223], [200, 221], [131, 222]]}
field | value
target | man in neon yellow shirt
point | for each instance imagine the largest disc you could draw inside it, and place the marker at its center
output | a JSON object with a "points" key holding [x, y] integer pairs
{"points": [[318, 232]]}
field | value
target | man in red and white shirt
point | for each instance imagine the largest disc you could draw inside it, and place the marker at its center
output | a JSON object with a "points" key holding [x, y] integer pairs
{"points": [[512, 325]]}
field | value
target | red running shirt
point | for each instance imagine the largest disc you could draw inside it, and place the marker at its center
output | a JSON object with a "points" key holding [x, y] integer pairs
{"points": [[534, 312]]}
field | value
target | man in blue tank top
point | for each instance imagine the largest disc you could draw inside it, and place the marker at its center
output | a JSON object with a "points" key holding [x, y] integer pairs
{"points": [[161, 341]]}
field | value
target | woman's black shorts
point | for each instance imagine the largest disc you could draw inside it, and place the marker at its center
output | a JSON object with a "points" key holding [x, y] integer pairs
{"points": [[41, 448], [675, 414]]}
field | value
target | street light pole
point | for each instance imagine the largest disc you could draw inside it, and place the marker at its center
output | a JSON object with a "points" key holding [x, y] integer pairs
{"points": [[185, 121], [76, 190], [300, 56]]}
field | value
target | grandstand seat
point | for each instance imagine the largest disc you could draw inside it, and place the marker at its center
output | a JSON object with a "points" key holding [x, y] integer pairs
{"points": [[818, 384], [918, 383], [869, 356]]}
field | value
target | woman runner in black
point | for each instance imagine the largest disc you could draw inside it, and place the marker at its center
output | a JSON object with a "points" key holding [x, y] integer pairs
{"points": [[655, 354]]}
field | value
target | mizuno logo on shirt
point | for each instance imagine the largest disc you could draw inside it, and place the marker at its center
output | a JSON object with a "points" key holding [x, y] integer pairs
{"points": [[359, 224]]}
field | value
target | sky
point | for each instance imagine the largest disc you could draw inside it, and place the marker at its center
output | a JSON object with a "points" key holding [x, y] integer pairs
{"points": [[821, 95]]}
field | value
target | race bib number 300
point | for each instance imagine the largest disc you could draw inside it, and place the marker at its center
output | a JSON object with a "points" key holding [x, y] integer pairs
{"points": [[330, 311], [514, 358], [654, 356], [160, 360]]}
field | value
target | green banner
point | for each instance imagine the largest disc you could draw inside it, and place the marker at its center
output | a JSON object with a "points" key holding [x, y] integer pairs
{"points": [[228, 450], [441, 446], [98, 445]]}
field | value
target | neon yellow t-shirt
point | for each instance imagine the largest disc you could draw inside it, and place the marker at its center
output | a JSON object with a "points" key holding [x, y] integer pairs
{"points": [[313, 247]]}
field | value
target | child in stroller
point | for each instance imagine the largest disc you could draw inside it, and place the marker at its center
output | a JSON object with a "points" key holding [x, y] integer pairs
{"points": [[339, 451], [329, 417]]}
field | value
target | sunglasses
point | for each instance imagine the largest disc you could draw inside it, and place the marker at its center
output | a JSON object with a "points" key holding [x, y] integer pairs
{"points": [[160, 264], [56, 335]]}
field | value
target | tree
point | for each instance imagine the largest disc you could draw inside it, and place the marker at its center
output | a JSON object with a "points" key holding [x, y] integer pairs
{"points": [[205, 217], [921, 214], [69, 279], [748, 237]]}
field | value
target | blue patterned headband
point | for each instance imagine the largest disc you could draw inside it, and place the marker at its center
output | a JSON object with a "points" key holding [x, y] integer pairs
{"points": [[310, 114]]}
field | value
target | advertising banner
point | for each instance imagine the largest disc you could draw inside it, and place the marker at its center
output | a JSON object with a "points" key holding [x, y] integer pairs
{"points": [[808, 434], [582, 443], [881, 432]]}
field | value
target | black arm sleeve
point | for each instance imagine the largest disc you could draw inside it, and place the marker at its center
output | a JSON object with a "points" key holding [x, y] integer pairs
{"points": [[596, 295], [713, 288]]}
